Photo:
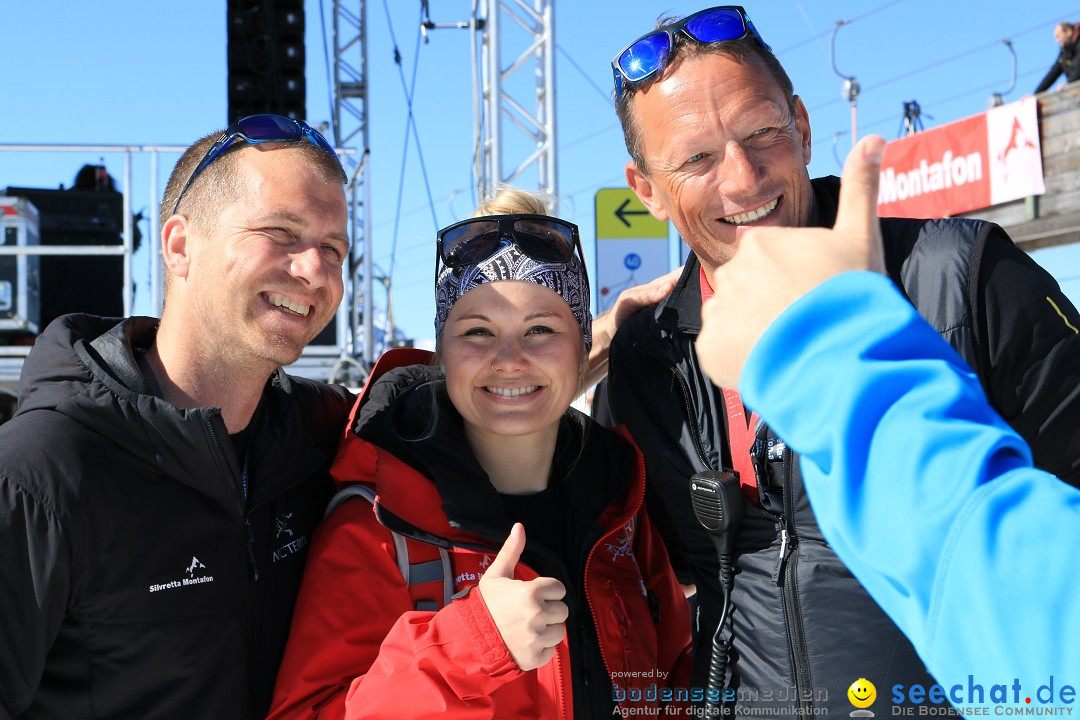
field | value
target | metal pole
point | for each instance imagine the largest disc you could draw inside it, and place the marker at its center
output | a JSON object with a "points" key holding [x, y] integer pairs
{"points": [[998, 99], [351, 96], [154, 239], [552, 180], [494, 100], [478, 108], [850, 89], [853, 125], [369, 272], [51, 250], [365, 174], [128, 295]]}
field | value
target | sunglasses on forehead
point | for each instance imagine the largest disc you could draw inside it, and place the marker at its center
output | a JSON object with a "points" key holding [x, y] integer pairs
{"points": [[648, 55], [255, 130], [541, 237]]}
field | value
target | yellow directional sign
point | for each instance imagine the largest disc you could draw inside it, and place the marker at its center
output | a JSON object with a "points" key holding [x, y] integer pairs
{"points": [[631, 245], [619, 214]]}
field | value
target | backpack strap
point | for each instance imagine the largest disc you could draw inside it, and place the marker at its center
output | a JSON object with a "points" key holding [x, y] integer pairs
{"points": [[413, 573]]}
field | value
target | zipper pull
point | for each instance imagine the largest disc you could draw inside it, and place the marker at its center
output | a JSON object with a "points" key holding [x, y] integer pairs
{"points": [[782, 556]]}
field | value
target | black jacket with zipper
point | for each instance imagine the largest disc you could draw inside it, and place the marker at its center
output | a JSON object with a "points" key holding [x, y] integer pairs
{"points": [[138, 581], [804, 629], [1067, 64]]}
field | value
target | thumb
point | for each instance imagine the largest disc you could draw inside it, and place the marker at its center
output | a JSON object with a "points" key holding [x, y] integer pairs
{"points": [[504, 563], [857, 212]]}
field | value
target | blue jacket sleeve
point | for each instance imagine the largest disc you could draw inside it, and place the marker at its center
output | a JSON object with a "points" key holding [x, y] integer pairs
{"points": [[924, 492]]}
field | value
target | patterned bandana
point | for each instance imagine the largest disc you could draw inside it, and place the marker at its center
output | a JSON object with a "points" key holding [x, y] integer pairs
{"points": [[567, 279]]}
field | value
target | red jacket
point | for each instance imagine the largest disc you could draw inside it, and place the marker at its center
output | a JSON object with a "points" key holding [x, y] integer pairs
{"points": [[358, 648]]}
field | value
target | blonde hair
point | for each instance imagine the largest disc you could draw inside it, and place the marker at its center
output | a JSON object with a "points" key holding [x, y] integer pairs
{"points": [[514, 201]]}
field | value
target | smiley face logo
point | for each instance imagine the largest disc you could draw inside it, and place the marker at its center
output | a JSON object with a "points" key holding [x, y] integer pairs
{"points": [[862, 693]]}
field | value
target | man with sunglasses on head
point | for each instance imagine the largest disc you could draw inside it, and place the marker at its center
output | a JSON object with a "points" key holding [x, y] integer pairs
{"points": [[161, 478], [719, 141]]}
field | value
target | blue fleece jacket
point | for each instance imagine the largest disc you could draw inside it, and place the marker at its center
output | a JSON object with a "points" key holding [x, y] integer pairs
{"points": [[926, 494]]}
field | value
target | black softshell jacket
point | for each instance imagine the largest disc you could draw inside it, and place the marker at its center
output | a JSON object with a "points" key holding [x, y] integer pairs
{"points": [[804, 629], [1067, 64], [137, 581]]}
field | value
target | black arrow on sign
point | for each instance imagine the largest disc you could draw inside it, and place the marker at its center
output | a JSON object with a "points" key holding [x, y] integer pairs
{"points": [[621, 212]]}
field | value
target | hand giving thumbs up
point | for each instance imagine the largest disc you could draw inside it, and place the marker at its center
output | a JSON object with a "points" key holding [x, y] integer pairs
{"points": [[529, 614]]}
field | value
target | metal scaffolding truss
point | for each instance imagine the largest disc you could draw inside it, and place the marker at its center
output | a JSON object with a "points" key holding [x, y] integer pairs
{"points": [[351, 129], [509, 40], [508, 96]]}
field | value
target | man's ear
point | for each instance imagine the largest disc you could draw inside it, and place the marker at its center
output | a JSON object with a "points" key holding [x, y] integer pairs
{"points": [[175, 245], [802, 125], [641, 185]]}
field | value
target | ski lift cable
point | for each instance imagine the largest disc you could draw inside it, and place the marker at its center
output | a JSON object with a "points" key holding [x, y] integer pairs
{"points": [[821, 35], [408, 87], [936, 64], [589, 80]]}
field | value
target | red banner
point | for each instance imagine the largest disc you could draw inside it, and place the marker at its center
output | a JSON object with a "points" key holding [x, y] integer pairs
{"points": [[983, 160]]}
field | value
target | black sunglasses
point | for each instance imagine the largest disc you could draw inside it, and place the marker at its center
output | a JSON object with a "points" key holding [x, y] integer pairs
{"points": [[541, 237], [648, 55], [258, 129]]}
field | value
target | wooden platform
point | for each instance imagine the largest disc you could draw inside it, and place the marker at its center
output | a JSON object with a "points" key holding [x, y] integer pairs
{"points": [[1052, 218]]}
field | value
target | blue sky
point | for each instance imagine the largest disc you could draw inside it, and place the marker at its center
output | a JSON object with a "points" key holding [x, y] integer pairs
{"points": [[144, 73]]}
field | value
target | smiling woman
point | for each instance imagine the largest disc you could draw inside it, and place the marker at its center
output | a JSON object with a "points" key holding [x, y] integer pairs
{"points": [[514, 356], [535, 627]]}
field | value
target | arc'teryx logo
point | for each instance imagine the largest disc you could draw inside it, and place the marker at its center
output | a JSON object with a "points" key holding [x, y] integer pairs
{"points": [[292, 543], [281, 525], [623, 546], [196, 566]]}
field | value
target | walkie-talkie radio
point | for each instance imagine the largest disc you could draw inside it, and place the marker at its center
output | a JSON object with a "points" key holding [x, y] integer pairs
{"points": [[718, 506]]}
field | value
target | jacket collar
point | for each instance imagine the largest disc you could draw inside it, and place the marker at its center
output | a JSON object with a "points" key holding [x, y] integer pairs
{"points": [[680, 311], [826, 200], [431, 486], [603, 489], [84, 367]]}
